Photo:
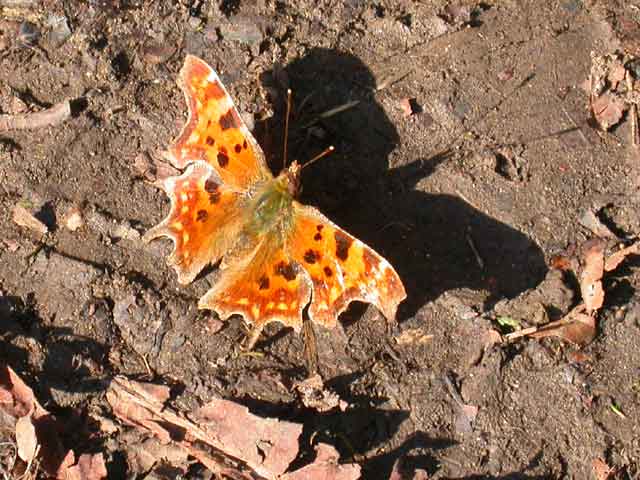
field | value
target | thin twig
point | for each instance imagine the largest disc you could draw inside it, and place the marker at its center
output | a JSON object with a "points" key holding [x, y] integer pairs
{"points": [[32, 463], [332, 112], [633, 111], [474, 249], [566, 320], [391, 80], [19, 3], [49, 117]]}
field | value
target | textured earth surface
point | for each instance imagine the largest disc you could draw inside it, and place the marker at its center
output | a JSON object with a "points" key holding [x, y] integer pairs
{"points": [[468, 161]]}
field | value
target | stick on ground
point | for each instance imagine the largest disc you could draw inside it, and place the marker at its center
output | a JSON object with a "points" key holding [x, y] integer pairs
{"points": [[46, 118]]}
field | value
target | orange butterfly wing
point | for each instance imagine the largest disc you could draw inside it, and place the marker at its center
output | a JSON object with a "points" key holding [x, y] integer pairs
{"points": [[342, 268], [214, 131], [224, 165], [308, 260]]}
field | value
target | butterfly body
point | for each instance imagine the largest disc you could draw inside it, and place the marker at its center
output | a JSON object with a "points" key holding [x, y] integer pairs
{"points": [[273, 206], [277, 256]]}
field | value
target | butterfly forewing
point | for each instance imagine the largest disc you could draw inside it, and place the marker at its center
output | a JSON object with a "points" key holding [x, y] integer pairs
{"points": [[204, 221], [214, 131]]}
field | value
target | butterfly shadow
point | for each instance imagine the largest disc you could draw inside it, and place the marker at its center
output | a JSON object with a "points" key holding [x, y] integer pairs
{"points": [[429, 238]]}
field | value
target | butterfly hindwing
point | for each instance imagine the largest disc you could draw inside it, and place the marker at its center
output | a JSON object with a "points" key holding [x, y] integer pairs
{"points": [[266, 285], [307, 261], [341, 268]]}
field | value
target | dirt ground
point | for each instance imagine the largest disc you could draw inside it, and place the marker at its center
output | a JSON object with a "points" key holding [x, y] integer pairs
{"points": [[469, 190]]}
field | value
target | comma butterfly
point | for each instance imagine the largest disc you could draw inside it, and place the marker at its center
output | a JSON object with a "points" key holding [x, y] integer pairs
{"points": [[278, 256]]}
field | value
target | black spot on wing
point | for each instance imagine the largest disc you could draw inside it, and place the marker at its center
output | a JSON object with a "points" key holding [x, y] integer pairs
{"points": [[202, 216], [286, 270], [311, 256], [343, 243], [263, 283], [229, 120], [223, 159]]}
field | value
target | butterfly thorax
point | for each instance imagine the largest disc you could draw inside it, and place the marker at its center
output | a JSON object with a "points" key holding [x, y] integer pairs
{"points": [[273, 204]]}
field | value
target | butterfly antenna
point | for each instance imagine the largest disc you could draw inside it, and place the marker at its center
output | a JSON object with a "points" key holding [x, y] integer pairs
{"points": [[286, 130], [324, 153]]}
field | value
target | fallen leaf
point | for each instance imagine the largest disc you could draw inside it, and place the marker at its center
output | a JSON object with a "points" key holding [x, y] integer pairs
{"points": [[24, 218], [405, 106], [401, 472], [576, 327], [608, 110], [413, 335], [223, 435], [615, 259], [325, 467], [601, 470], [590, 221], [26, 438], [266, 444], [89, 467], [38, 431], [314, 395], [591, 275]]}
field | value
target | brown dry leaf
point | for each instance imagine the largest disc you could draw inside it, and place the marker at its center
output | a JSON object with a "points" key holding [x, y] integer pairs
{"points": [[413, 335], [89, 467], [608, 110], [73, 219], [153, 169], [24, 218], [265, 443], [314, 395], [401, 472], [405, 106], [591, 275], [222, 435], [35, 427], [601, 470], [615, 259], [576, 327], [325, 467], [26, 438], [16, 398], [616, 74], [591, 221]]}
